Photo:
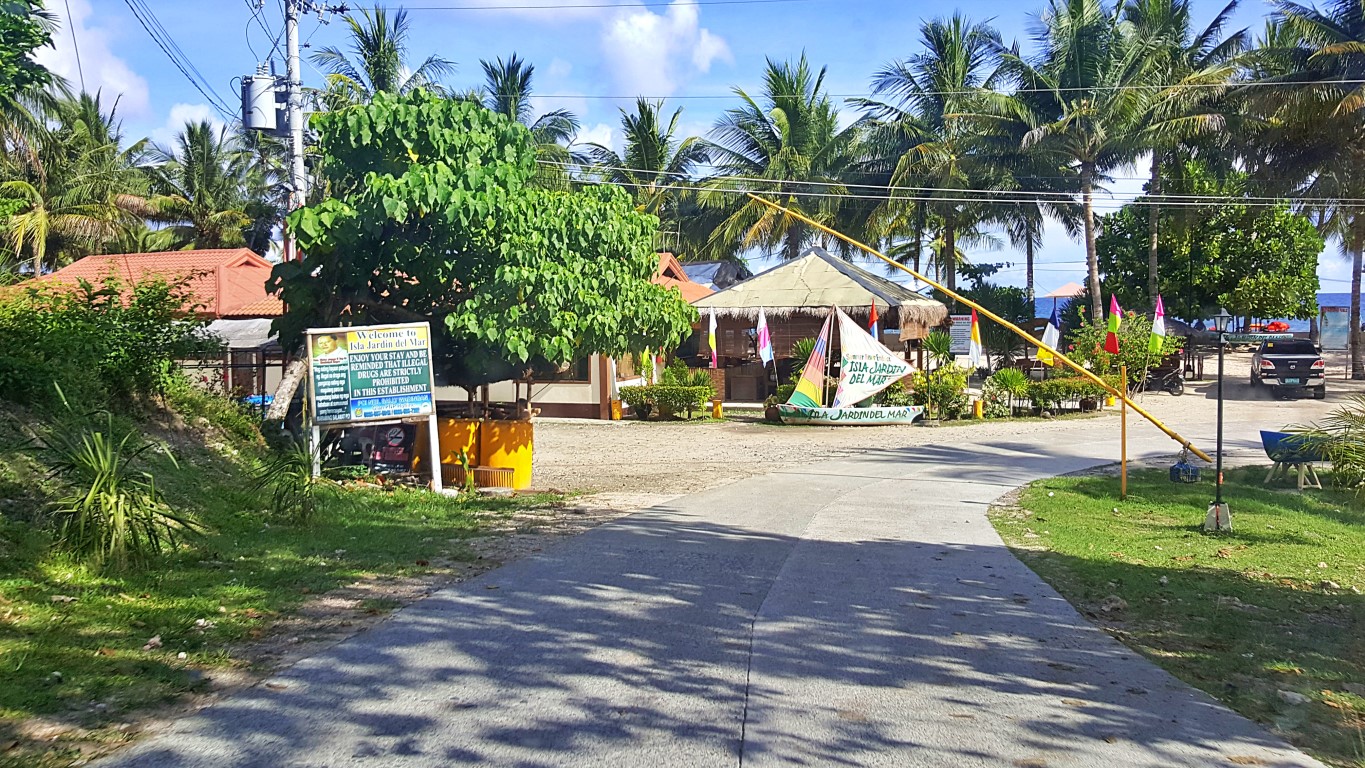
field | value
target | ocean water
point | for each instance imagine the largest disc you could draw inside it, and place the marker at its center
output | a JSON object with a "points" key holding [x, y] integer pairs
{"points": [[1043, 308]]}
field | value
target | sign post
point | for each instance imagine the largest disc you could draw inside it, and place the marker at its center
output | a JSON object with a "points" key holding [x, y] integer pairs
{"points": [[372, 374]]}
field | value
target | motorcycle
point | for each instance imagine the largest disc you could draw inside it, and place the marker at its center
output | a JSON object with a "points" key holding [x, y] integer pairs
{"points": [[1165, 381]]}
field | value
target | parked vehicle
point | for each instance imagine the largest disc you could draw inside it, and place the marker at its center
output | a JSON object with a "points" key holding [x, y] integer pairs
{"points": [[1289, 367], [1163, 380]]}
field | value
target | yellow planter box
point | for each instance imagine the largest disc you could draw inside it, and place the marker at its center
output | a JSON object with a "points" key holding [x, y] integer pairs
{"points": [[490, 446]]}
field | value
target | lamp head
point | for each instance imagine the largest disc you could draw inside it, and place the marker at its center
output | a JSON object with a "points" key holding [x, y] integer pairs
{"points": [[1221, 320]]}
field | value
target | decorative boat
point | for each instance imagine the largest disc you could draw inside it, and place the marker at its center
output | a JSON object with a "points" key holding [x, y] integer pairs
{"points": [[866, 367]]}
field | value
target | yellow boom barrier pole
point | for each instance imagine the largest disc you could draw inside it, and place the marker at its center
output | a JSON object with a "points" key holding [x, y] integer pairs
{"points": [[1002, 321]]}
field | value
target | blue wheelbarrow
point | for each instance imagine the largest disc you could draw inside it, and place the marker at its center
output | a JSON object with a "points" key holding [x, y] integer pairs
{"points": [[1291, 453]]}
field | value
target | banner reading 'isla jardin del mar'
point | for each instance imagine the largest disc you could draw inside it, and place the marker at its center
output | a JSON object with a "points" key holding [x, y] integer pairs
{"points": [[367, 373]]}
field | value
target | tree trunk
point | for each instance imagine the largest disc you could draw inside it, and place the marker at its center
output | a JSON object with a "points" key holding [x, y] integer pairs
{"points": [[1028, 260], [294, 375], [919, 235], [1153, 211], [1357, 241], [794, 242], [1092, 261], [949, 256]]}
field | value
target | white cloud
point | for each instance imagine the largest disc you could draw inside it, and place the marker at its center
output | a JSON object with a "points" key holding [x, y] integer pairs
{"points": [[180, 114], [710, 47], [104, 71], [600, 133], [649, 53], [559, 69]]}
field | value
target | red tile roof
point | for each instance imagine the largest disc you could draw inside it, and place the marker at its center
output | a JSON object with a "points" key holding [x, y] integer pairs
{"points": [[229, 282], [671, 274]]}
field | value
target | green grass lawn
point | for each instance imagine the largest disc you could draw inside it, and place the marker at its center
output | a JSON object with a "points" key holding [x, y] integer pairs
{"points": [[72, 639], [1273, 606]]}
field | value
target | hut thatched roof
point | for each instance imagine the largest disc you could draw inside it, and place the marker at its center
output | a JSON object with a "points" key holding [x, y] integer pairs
{"points": [[816, 281]]}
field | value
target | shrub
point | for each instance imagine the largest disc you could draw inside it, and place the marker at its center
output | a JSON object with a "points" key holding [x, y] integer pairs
{"points": [[664, 399], [288, 476], [1001, 390], [97, 344], [895, 395], [679, 375], [1087, 346], [114, 515], [1340, 437], [943, 390], [1051, 393]]}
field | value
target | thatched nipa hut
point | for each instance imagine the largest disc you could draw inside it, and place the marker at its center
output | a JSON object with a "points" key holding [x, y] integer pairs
{"points": [[796, 298]]}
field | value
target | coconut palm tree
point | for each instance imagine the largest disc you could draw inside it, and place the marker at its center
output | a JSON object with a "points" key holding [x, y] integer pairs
{"points": [[1311, 65], [789, 140], [1087, 94], [507, 91], [1195, 69], [925, 123], [377, 61], [654, 162], [74, 188], [200, 187]]}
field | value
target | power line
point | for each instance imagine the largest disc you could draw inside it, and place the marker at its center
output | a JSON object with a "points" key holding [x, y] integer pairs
{"points": [[576, 6], [1104, 204], [868, 95], [256, 16], [1016, 195], [71, 25], [163, 41]]}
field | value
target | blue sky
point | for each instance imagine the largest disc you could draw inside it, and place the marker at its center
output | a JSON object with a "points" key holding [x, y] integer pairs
{"points": [[589, 60]]}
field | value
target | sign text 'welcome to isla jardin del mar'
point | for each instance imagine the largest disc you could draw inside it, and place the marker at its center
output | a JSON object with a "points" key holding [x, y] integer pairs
{"points": [[367, 373]]}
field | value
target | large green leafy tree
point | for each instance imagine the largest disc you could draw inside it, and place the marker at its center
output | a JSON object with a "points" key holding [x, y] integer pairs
{"points": [[1257, 260], [434, 218], [24, 27]]}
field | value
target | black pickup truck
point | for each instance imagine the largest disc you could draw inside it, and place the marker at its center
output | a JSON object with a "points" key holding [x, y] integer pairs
{"points": [[1289, 366]]}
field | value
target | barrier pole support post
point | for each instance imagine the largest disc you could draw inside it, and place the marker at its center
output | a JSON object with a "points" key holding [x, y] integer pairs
{"points": [[1123, 437]]}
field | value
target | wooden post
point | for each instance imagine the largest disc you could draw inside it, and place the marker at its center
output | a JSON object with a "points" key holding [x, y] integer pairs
{"points": [[1123, 436]]}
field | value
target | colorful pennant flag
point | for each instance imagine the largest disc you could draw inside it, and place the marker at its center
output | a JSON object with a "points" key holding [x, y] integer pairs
{"points": [[810, 388], [1052, 336], [872, 322], [765, 341], [975, 357], [1158, 327], [712, 338], [1111, 339]]}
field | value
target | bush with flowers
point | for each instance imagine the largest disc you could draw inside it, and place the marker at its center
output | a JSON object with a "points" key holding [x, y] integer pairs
{"points": [[1085, 345]]}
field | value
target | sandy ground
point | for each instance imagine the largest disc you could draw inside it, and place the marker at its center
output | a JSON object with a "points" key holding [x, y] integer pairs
{"points": [[681, 457]]}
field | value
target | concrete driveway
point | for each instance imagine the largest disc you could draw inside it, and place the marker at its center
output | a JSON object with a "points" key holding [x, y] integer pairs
{"points": [[860, 612]]}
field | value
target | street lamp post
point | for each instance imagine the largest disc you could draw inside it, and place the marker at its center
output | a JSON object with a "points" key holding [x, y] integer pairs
{"points": [[1218, 518]]}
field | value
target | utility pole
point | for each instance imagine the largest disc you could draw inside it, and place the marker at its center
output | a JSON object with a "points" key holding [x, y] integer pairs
{"points": [[298, 177]]}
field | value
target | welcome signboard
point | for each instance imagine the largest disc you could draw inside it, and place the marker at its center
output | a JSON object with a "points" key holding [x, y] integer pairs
{"points": [[371, 373]]}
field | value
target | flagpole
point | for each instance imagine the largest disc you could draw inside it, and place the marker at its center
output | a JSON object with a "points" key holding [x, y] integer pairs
{"points": [[1002, 321]]}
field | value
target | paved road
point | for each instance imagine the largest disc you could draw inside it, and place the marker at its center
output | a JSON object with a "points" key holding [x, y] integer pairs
{"points": [[847, 614]]}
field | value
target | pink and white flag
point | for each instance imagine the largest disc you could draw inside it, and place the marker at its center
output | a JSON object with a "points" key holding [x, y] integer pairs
{"points": [[765, 341]]}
